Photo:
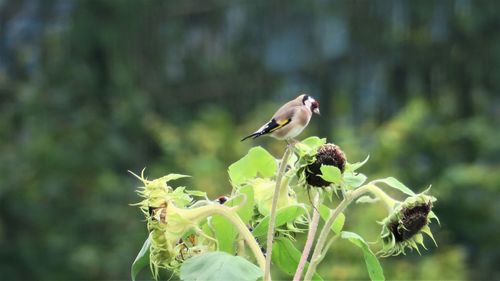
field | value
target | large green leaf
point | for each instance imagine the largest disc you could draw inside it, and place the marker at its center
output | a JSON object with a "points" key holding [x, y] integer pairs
{"points": [[219, 266], [225, 233], [257, 161], [283, 215], [366, 199], [286, 257], [372, 264], [309, 146], [394, 183], [338, 223], [354, 180], [246, 211], [141, 260], [330, 173]]}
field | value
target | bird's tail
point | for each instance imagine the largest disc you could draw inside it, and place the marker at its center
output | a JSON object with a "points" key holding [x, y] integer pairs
{"points": [[253, 136]]}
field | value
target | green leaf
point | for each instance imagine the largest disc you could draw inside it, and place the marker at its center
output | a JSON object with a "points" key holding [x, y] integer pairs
{"points": [[392, 182], [171, 177], [353, 180], [225, 233], [366, 199], [314, 142], [283, 215], [246, 211], [309, 146], [372, 264], [180, 197], [196, 193], [166, 178], [330, 173], [354, 166], [257, 161], [286, 257], [141, 260], [219, 266], [339, 221]]}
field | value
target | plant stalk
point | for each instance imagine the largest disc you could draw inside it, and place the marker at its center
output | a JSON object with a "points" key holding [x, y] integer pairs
{"points": [[272, 215], [389, 202], [241, 247], [323, 236], [310, 238], [230, 214], [243, 230]]}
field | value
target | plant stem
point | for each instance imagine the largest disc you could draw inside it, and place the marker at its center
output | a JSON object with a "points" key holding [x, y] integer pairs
{"points": [[316, 256], [241, 247], [310, 238], [389, 202], [323, 236], [243, 230], [272, 215], [230, 214]]}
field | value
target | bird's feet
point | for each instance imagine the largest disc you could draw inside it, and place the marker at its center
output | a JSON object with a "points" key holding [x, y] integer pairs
{"points": [[291, 142]]}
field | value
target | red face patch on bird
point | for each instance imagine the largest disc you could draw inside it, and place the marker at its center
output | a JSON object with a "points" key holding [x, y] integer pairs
{"points": [[315, 107], [312, 104]]}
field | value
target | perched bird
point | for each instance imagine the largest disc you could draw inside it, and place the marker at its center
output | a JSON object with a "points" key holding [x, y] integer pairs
{"points": [[290, 120]]}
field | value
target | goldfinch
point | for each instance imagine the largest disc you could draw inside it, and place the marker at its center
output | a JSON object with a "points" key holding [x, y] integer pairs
{"points": [[290, 119]]}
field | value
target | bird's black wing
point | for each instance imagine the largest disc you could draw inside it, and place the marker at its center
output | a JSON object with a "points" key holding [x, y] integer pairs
{"points": [[270, 127]]}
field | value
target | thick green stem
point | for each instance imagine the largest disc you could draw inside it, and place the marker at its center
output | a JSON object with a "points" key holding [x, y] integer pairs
{"points": [[325, 231], [241, 247], [244, 233], [272, 215], [389, 202], [199, 213]]}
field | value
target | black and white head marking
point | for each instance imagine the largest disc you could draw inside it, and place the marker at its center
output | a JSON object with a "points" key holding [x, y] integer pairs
{"points": [[311, 104], [305, 98]]}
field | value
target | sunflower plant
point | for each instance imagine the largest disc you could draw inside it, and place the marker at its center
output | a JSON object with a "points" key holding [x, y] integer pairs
{"points": [[242, 235]]}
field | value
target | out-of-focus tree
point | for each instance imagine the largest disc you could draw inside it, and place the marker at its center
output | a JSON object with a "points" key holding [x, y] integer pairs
{"points": [[91, 89]]}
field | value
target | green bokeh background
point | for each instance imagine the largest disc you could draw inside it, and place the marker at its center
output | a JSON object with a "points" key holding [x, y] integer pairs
{"points": [[91, 89]]}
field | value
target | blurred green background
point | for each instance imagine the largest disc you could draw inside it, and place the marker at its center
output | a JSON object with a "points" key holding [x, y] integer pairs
{"points": [[91, 89]]}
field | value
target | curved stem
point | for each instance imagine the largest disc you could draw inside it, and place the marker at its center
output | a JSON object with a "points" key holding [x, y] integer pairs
{"points": [[323, 236], [316, 256], [310, 239], [241, 247], [199, 213], [244, 233], [389, 202], [272, 215]]}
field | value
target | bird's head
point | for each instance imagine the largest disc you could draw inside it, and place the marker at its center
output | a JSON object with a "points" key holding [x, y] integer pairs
{"points": [[310, 103]]}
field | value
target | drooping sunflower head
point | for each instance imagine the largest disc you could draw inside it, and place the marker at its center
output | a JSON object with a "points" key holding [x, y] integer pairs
{"points": [[328, 154], [174, 227], [405, 226]]}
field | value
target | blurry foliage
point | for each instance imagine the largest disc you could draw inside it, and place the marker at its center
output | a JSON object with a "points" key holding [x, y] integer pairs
{"points": [[91, 89]]}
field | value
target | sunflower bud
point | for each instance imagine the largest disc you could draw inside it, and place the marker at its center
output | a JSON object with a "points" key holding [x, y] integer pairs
{"points": [[328, 154], [405, 226]]}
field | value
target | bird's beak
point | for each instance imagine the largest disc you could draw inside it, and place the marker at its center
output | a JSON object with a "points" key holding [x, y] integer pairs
{"points": [[316, 110]]}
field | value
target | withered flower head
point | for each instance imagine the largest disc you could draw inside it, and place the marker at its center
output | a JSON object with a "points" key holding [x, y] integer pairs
{"points": [[405, 226], [328, 154], [170, 221]]}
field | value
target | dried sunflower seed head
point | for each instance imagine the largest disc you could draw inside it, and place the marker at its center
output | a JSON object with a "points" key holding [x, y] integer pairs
{"points": [[405, 226], [328, 154]]}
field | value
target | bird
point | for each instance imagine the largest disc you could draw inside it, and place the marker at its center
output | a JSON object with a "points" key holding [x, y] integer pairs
{"points": [[290, 119]]}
